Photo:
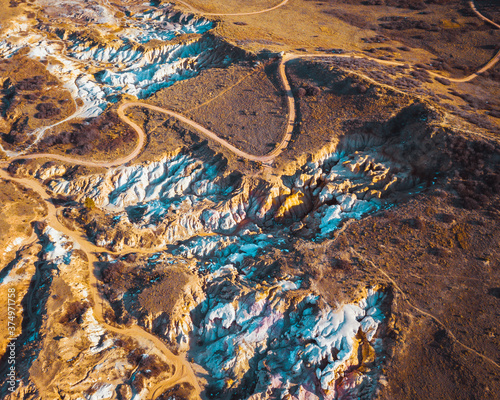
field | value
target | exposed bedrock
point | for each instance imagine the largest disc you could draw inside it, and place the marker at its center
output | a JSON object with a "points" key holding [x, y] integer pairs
{"points": [[281, 339], [237, 268], [184, 195], [258, 338], [146, 70], [259, 329], [153, 50], [62, 347]]}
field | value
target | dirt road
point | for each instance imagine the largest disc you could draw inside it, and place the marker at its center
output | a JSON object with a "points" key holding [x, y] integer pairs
{"points": [[195, 10], [182, 369], [468, 78], [267, 158], [282, 145], [105, 164], [489, 21]]}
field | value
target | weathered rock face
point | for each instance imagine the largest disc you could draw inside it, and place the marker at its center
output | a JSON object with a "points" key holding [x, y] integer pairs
{"points": [[196, 228], [142, 25], [62, 347], [180, 196], [262, 332], [199, 237], [136, 59], [284, 339], [259, 331]]}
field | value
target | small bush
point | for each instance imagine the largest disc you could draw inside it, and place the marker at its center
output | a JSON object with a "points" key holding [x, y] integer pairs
{"points": [[313, 90], [85, 137], [138, 382], [343, 265], [447, 218], [33, 83], [387, 48], [75, 312], [134, 357], [109, 316], [114, 272], [89, 203], [421, 75], [375, 39], [31, 96], [492, 180], [131, 257], [406, 83], [301, 92], [151, 366], [443, 81], [46, 111], [439, 252], [417, 223], [471, 204], [362, 89]]}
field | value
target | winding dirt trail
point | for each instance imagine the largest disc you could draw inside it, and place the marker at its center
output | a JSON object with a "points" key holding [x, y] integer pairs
{"points": [[197, 11], [406, 298], [182, 369], [106, 164], [468, 78], [267, 158], [282, 145], [489, 21]]}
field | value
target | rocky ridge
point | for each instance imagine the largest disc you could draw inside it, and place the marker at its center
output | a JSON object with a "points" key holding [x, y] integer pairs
{"points": [[61, 330], [158, 48], [181, 196], [261, 330]]}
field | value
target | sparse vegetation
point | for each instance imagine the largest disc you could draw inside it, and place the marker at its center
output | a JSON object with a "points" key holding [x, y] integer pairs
{"points": [[25, 103], [182, 391], [105, 133], [405, 23], [443, 81], [46, 110], [434, 250], [74, 312], [89, 203]]}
